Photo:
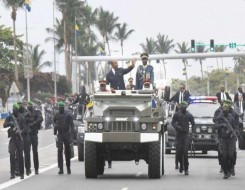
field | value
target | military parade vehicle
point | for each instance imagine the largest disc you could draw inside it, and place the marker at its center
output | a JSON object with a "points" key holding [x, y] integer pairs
{"points": [[125, 126]]}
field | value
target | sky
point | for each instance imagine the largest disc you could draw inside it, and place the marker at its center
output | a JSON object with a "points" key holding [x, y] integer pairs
{"points": [[181, 20]]}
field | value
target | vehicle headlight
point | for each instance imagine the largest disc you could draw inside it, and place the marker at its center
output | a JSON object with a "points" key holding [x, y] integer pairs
{"points": [[198, 130], [204, 128], [136, 119], [210, 130], [80, 129], [143, 126], [107, 119], [100, 126], [92, 126]]}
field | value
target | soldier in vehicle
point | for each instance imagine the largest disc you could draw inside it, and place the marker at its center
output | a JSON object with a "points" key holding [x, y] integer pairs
{"points": [[180, 122], [144, 72], [226, 126], [35, 125], [130, 85], [103, 86], [63, 128], [16, 123], [115, 76], [26, 137]]}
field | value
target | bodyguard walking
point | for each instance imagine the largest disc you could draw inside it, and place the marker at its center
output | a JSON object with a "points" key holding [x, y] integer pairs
{"points": [[63, 128], [16, 124], [180, 122], [35, 125]]}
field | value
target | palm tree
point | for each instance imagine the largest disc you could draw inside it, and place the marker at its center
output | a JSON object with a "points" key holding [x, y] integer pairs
{"points": [[183, 48], [37, 58], [106, 23], [220, 49], [163, 46], [122, 34], [150, 46], [201, 49], [14, 5]]}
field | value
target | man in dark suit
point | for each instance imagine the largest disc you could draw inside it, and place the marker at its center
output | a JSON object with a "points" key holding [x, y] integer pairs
{"points": [[181, 95], [239, 93], [115, 76], [144, 72], [222, 95]]}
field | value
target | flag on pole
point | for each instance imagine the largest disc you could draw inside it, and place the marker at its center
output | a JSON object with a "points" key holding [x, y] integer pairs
{"points": [[28, 5], [77, 27]]}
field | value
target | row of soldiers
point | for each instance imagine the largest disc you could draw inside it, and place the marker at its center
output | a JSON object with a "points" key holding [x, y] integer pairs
{"points": [[23, 124]]}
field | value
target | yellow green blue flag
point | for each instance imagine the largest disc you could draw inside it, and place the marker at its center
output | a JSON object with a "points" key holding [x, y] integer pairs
{"points": [[76, 27], [28, 5]]}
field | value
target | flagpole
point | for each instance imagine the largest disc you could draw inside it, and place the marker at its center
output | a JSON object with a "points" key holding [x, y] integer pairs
{"points": [[27, 58], [55, 82], [76, 55]]}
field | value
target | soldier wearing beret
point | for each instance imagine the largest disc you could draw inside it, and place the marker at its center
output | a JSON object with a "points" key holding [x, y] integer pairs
{"points": [[36, 119], [63, 128], [131, 85], [16, 125], [180, 122], [103, 86], [144, 72]]}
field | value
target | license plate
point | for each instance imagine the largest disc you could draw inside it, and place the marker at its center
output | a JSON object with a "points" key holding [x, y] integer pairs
{"points": [[204, 136]]}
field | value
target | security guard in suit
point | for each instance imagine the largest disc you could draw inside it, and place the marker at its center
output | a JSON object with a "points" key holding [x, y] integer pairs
{"points": [[144, 72]]}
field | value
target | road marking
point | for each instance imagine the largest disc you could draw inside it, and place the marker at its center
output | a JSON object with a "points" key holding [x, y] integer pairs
{"points": [[124, 188], [138, 174], [17, 180]]}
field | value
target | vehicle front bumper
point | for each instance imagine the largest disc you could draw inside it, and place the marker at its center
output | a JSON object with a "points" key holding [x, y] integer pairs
{"points": [[121, 137]]}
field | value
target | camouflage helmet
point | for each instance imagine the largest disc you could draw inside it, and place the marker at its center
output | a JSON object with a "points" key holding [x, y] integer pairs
{"points": [[16, 107], [183, 104]]}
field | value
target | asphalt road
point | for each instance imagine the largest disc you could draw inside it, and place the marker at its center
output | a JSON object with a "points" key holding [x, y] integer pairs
{"points": [[204, 173]]}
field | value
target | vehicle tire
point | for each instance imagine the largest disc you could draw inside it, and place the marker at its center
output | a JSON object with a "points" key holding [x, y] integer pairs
{"points": [[80, 150], [154, 165], [91, 160], [167, 151], [204, 152], [101, 166]]}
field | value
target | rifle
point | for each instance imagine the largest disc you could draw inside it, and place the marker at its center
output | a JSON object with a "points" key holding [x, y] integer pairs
{"points": [[229, 128], [16, 128]]}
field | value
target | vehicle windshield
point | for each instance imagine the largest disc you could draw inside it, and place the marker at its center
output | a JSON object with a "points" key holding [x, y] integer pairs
{"points": [[203, 110]]}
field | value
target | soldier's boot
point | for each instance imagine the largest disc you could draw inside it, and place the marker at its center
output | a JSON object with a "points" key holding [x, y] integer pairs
{"points": [[22, 176], [12, 176], [221, 169], [17, 173], [186, 172], [68, 170], [61, 171], [28, 172], [226, 176], [36, 172], [181, 168], [109, 164], [233, 171]]}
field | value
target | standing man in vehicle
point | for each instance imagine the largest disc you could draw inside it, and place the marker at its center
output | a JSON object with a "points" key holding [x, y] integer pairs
{"points": [[180, 122], [16, 123], [222, 95], [226, 128], [181, 95], [35, 125], [64, 128], [130, 85], [115, 77], [144, 72]]}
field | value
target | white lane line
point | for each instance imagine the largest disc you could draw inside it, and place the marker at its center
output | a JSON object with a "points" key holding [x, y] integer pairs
{"points": [[124, 188], [138, 174], [17, 180]]}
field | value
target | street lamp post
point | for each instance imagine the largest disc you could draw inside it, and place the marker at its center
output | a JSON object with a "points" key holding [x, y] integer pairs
{"points": [[55, 81], [208, 87]]}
